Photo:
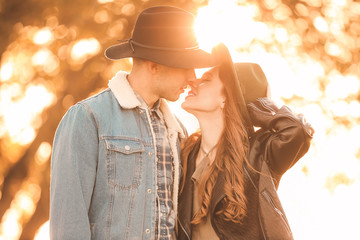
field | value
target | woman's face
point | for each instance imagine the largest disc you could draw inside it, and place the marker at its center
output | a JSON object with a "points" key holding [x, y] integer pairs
{"points": [[206, 94]]}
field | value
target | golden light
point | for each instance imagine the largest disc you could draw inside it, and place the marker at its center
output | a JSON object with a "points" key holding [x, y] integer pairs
{"points": [[213, 21], [25, 203], [271, 4], [128, 9], [84, 48], [101, 16], [40, 57], [340, 86], [43, 36], [116, 29], [22, 207], [354, 109], [282, 12], [333, 49], [281, 35], [105, 1], [6, 72], [46, 61], [15, 64], [10, 226], [43, 153], [18, 116], [43, 232], [321, 24], [327, 178]]}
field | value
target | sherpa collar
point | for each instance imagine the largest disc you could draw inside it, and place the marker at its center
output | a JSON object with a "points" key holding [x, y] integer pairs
{"points": [[127, 99]]}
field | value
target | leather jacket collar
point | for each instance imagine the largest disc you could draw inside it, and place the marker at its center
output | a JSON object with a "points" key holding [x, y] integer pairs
{"points": [[186, 197]]}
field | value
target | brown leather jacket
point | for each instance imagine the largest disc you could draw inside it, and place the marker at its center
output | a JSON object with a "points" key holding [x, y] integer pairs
{"points": [[283, 139]]}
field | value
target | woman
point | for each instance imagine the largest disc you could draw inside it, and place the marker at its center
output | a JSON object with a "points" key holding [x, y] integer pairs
{"points": [[230, 172]]}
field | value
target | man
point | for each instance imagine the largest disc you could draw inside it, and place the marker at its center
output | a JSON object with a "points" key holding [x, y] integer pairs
{"points": [[115, 160]]}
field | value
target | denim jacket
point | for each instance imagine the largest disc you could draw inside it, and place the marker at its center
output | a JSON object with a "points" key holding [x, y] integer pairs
{"points": [[103, 167]]}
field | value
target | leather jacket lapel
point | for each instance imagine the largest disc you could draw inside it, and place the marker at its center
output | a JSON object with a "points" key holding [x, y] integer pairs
{"points": [[186, 197], [218, 193]]}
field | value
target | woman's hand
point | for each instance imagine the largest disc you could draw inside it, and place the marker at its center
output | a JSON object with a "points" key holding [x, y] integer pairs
{"points": [[263, 111]]}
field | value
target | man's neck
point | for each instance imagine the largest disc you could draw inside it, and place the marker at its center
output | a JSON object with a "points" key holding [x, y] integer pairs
{"points": [[140, 83]]}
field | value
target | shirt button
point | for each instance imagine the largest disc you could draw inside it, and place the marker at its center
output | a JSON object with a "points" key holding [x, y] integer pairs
{"points": [[149, 190], [127, 147], [147, 231], [150, 153]]}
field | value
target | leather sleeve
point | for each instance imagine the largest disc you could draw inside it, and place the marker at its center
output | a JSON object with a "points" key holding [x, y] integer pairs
{"points": [[288, 135]]}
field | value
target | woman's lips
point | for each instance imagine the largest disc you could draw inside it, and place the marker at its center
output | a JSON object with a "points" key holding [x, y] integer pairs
{"points": [[191, 94]]}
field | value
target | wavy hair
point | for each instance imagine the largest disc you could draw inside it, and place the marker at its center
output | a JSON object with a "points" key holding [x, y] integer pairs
{"points": [[231, 153]]}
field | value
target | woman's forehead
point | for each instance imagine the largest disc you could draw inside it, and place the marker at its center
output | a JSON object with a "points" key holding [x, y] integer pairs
{"points": [[212, 72]]}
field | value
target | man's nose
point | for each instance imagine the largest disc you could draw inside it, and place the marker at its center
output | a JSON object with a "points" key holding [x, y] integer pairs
{"points": [[191, 77], [195, 84]]}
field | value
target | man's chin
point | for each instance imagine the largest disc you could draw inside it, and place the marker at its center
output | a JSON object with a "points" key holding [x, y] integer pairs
{"points": [[173, 98]]}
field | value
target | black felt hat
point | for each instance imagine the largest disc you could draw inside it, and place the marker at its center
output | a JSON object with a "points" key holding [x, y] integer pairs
{"points": [[248, 78], [164, 35], [252, 80]]}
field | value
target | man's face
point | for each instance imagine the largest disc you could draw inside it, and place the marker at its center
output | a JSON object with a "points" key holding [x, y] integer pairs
{"points": [[171, 82]]}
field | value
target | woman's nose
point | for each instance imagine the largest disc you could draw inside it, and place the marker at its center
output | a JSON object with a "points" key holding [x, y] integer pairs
{"points": [[194, 83]]}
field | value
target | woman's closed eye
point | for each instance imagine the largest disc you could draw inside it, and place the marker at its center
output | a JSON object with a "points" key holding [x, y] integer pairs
{"points": [[203, 81]]}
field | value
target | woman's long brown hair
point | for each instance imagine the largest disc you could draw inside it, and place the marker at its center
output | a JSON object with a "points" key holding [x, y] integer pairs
{"points": [[231, 152]]}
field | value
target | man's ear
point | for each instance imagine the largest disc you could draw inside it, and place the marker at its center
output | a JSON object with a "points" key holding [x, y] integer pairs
{"points": [[153, 67]]}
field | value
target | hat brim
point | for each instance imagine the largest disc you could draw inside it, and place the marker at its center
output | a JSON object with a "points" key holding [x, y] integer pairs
{"points": [[194, 58], [228, 72], [249, 79]]}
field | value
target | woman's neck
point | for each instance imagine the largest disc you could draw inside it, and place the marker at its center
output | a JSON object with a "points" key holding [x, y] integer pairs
{"points": [[211, 125]]}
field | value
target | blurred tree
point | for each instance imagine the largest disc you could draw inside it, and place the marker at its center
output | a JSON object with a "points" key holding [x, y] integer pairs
{"points": [[59, 45], [74, 74]]}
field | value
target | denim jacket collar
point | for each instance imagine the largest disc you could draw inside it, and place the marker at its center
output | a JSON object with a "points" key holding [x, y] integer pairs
{"points": [[127, 99]]}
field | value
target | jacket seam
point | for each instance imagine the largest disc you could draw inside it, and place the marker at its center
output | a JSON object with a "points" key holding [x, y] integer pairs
{"points": [[155, 165]]}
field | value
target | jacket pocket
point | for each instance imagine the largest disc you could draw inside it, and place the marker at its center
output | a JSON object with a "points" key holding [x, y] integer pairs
{"points": [[124, 162]]}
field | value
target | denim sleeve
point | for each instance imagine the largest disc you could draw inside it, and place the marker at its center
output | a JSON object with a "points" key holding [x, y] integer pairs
{"points": [[73, 171]]}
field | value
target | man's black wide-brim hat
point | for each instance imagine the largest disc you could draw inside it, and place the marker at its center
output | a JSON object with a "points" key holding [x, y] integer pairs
{"points": [[164, 35]]}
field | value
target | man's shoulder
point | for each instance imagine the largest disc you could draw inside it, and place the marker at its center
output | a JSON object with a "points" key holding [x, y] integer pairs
{"points": [[98, 102], [98, 97]]}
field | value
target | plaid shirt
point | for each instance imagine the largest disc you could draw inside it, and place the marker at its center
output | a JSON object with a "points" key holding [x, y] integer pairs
{"points": [[165, 216]]}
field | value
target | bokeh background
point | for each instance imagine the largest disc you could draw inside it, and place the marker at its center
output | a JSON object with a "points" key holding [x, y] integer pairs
{"points": [[52, 56]]}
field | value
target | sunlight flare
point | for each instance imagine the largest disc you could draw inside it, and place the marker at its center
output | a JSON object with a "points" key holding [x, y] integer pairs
{"points": [[43, 232], [6, 71], [18, 116], [43, 36], [84, 49]]}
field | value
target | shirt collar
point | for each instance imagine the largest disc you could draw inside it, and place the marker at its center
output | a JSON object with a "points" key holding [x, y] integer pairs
{"points": [[200, 169], [155, 109]]}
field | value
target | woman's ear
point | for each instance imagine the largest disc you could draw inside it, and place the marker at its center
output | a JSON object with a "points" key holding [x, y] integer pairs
{"points": [[222, 105]]}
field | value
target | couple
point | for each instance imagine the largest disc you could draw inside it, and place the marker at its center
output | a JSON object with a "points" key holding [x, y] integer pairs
{"points": [[124, 168]]}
